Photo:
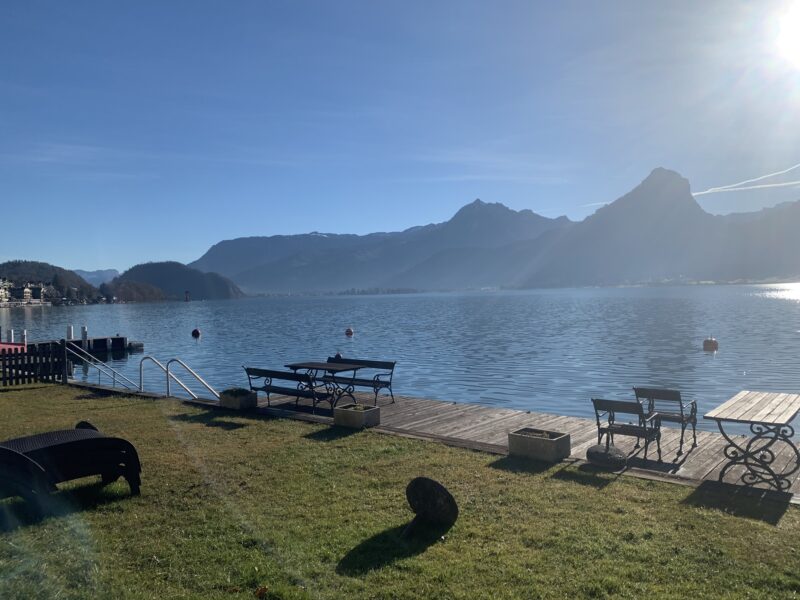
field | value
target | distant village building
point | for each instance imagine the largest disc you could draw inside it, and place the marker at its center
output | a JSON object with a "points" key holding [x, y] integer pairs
{"points": [[29, 293]]}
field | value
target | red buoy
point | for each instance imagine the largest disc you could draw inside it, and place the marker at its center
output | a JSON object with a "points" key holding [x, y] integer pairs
{"points": [[710, 345]]}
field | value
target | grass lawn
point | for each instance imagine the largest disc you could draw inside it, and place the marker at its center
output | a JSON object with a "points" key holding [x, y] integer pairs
{"points": [[255, 507]]}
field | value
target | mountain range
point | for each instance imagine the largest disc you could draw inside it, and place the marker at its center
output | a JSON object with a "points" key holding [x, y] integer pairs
{"points": [[329, 262], [656, 233]]}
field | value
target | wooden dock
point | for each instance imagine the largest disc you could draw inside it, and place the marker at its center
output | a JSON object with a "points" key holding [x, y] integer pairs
{"points": [[486, 428]]}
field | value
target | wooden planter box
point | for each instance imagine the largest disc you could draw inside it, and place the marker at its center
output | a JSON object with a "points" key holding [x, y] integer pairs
{"points": [[539, 444], [237, 401], [357, 416]]}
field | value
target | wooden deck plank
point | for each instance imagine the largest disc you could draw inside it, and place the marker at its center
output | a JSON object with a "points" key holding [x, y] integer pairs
{"points": [[788, 410], [484, 421], [721, 410], [750, 405], [709, 456], [772, 407], [429, 416], [423, 413], [405, 413], [477, 419], [444, 422]]}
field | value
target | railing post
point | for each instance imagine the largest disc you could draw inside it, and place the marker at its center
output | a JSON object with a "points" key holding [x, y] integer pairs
{"points": [[64, 366]]}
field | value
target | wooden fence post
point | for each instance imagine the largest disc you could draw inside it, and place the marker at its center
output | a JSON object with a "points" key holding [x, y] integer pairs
{"points": [[64, 366]]}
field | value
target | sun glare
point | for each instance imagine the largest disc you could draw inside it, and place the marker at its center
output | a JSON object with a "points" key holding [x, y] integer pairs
{"points": [[788, 40]]}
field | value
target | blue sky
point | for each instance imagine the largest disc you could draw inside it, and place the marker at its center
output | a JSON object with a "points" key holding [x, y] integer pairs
{"points": [[145, 131]]}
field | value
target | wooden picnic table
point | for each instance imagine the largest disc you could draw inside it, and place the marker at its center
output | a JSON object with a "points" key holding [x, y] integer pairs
{"points": [[769, 416]]}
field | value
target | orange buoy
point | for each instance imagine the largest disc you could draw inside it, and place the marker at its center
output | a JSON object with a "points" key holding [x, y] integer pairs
{"points": [[710, 345], [349, 332]]}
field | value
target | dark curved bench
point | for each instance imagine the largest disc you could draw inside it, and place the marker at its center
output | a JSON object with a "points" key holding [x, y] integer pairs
{"points": [[31, 466]]}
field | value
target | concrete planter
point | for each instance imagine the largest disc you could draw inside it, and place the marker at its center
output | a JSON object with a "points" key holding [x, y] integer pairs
{"points": [[538, 444], [357, 416], [237, 399]]}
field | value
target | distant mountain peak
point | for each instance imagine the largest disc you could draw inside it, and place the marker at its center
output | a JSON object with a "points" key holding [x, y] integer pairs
{"points": [[661, 178], [662, 194], [478, 206]]}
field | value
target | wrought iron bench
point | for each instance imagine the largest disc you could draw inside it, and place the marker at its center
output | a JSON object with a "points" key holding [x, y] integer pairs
{"points": [[647, 426], [379, 381], [306, 385], [31, 466], [669, 405]]}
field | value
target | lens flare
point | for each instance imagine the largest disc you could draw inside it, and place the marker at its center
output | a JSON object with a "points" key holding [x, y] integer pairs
{"points": [[788, 40]]}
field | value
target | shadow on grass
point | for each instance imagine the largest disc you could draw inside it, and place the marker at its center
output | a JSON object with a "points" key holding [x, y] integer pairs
{"points": [[24, 388], [587, 474], [210, 418], [740, 501], [16, 513], [96, 395], [387, 547], [319, 411], [517, 464], [331, 434]]}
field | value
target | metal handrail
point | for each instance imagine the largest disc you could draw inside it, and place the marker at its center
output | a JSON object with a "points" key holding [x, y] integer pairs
{"points": [[166, 371], [192, 373], [101, 367]]}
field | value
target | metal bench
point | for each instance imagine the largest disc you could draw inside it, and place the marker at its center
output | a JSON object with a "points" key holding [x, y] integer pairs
{"points": [[31, 466], [306, 385], [647, 426], [379, 381], [669, 405]]}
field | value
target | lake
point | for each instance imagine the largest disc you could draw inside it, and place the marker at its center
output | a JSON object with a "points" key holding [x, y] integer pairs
{"points": [[541, 350]]}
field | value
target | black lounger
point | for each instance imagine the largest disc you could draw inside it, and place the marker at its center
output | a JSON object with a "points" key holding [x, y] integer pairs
{"points": [[31, 466]]}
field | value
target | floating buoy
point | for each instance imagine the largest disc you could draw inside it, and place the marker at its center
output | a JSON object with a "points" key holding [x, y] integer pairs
{"points": [[710, 345], [349, 332], [195, 333]]}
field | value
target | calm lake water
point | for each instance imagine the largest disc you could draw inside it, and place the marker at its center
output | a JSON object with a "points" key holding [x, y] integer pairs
{"points": [[544, 350]]}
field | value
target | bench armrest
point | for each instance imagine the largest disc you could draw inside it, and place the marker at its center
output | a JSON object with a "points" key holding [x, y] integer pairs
{"points": [[652, 415], [379, 375]]}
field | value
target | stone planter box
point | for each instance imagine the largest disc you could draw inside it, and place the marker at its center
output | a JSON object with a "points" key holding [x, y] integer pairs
{"points": [[539, 444], [237, 401], [357, 416]]}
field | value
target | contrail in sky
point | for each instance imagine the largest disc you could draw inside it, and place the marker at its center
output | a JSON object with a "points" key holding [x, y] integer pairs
{"points": [[748, 187], [735, 187]]}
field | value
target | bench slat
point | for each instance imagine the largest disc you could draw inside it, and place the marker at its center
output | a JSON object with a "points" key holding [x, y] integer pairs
{"points": [[367, 364]]}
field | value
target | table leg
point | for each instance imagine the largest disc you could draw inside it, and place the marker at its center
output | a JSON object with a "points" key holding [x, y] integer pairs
{"points": [[758, 454], [336, 391]]}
